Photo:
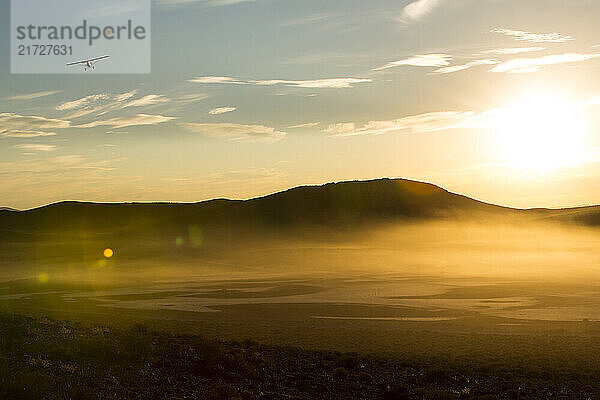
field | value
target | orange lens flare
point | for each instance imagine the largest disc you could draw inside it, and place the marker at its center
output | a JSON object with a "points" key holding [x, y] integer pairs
{"points": [[108, 252]]}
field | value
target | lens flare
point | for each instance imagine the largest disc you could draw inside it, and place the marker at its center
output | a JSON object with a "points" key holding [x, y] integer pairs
{"points": [[108, 253]]}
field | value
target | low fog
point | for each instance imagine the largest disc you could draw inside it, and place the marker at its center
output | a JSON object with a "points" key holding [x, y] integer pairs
{"points": [[492, 248]]}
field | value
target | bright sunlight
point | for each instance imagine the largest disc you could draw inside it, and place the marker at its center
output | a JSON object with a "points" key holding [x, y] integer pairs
{"points": [[541, 132]]}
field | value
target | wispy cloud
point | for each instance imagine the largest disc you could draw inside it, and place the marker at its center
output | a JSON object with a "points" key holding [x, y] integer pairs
{"points": [[331, 83], [129, 120], [419, 9], [30, 122], [217, 79], [527, 65], [125, 96], [462, 67], [229, 131], [424, 60], [92, 104], [433, 122], [28, 126], [36, 147], [149, 100], [534, 37], [334, 83], [221, 110], [17, 133], [103, 103], [513, 50], [421, 123], [84, 102], [306, 125], [36, 95]]}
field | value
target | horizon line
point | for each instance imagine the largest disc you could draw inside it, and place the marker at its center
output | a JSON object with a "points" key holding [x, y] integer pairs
{"points": [[13, 209]]}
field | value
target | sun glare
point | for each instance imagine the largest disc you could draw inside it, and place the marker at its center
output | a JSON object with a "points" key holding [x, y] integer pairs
{"points": [[541, 132], [108, 253]]}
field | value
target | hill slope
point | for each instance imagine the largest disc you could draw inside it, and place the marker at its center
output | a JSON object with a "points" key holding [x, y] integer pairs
{"points": [[346, 204]]}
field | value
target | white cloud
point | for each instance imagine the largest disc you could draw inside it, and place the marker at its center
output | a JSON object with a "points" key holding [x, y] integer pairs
{"points": [[430, 122], [36, 95], [341, 128], [148, 100], [217, 79], [424, 60], [221, 110], [17, 133], [36, 147], [457, 68], [125, 121], [28, 122], [84, 102], [534, 37], [231, 131], [333, 83], [513, 50], [100, 104], [83, 112], [95, 104], [421, 123], [419, 9], [306, 125], [526, 65], [125, 96]]}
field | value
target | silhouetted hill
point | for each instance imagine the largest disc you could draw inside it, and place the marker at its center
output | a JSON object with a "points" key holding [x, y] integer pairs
{"points": [[344, 205]]}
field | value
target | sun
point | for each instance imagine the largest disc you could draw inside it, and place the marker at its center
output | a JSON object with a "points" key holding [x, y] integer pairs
{"points": [[540, 132]]}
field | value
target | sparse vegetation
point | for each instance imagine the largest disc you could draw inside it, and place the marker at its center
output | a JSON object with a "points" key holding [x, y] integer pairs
{"points": [[50, 359]]}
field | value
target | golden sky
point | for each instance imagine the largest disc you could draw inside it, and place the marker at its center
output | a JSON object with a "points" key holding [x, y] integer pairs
{"points": [[495, 99]]}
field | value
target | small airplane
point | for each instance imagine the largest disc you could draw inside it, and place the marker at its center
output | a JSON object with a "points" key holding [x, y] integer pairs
{"points": [[89, 63]]}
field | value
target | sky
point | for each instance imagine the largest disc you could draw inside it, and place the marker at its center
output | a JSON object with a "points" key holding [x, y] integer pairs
{"points": [[494, 99]]}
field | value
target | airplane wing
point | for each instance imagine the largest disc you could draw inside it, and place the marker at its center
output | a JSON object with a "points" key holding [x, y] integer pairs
{"points": [[77, 62], [98, 59], [91, 60]]}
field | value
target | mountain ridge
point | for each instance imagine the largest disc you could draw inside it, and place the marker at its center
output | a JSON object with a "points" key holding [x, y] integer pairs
{"points": [[345, 204]]}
